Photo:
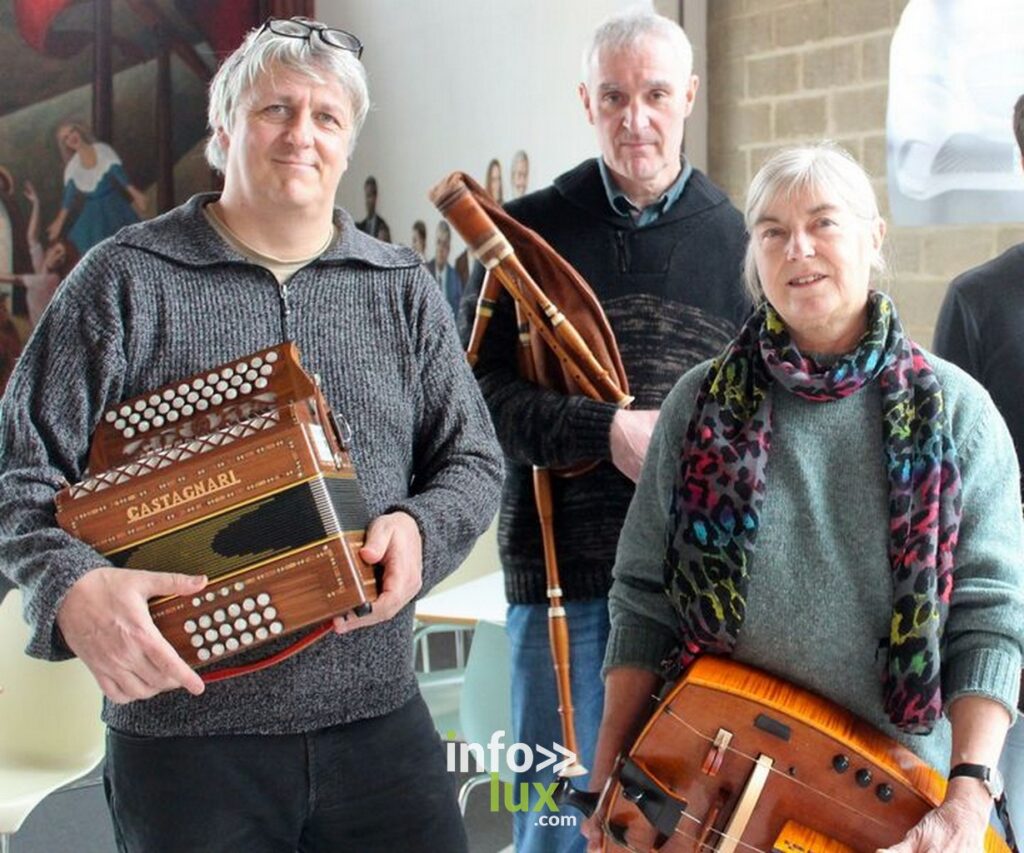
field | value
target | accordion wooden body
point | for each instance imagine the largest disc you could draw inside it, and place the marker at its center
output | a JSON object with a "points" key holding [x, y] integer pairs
{"points": [[241, 474]]}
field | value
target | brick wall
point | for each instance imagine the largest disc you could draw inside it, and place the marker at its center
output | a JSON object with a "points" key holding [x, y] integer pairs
{"points": [[789, 71]]}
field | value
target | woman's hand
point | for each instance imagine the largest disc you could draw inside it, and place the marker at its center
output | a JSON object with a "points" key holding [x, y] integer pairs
{"points": [[30, 193], [956, 826], [54, 228]]}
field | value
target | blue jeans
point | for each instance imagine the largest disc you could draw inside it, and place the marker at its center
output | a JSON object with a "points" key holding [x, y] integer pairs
{"points": [[535, 719], [372, 786], [1011, 764]]}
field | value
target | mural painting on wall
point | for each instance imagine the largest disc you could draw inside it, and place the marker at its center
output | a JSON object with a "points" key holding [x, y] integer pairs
{"points": [[102, 123], [451, 275], [954, 76]]}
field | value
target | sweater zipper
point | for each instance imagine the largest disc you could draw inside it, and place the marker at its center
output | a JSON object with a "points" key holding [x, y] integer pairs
{"points": [[620, 238], [285, 310]]}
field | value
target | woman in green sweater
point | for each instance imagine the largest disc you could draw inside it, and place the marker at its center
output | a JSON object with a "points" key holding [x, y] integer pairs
{"points": [[845, 502]]}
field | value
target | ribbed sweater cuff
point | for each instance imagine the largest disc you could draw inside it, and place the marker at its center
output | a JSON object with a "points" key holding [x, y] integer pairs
{"points": [[592, 424], [637, 646], [993, 673]]}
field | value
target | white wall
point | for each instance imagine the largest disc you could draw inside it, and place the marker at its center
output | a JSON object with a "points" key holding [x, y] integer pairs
{"points": [[457, 82]]}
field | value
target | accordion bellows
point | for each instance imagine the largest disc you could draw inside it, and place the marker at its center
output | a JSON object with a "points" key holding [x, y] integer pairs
{"points": [[240, 473]]}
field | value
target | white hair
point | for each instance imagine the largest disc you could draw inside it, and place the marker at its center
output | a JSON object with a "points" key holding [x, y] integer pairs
{"points": [[264, 52], [622, 32], [824, 168]]}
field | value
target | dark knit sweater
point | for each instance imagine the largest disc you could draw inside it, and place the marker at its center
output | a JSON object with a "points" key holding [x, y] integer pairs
{"points": [[672, 293], [980, 329], [168, 298]]}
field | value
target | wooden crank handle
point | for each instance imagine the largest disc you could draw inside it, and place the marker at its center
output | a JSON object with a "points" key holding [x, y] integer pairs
{"points": [[475, 227], [582, 801]]}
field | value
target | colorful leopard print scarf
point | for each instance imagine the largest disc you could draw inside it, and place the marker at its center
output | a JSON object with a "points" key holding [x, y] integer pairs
{"points": [[721, 488]]}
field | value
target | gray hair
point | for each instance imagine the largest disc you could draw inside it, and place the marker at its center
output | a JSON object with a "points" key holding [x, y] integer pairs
{"points": [[622, 31], [262, 52], [824, 168]]}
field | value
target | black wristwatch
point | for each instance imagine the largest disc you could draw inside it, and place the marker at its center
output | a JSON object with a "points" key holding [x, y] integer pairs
{"points": [[990, 777]]}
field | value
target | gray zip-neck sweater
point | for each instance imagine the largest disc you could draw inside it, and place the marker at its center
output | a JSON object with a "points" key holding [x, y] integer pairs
{"points": [[168, 298], [819, 603]]}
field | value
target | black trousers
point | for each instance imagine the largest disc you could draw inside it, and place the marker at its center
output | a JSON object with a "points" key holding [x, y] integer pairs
{"points": [[373, 785]]}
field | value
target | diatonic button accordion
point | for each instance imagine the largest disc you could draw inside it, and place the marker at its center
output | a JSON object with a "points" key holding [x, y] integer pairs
{"points": [[240, 473]]}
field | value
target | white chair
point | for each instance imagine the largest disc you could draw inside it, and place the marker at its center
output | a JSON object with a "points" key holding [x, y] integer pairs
{"points": [[50, 729], [441, 688], [486, 703]]}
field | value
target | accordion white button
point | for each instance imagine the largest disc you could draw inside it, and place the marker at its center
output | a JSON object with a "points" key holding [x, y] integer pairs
{"points": [[222, 386], [241, 367], [248, 604], [110, 416], [198, 382], [276, 627], [120, 423], [203, 654], [263, 599], [270, 613], [154, 399], [172, 416], [183, 389], [217, 649], [210, 596], [266, 370], [239, 585], [168, 393], [219, 615], [240, 624], [245, 388], [158, 422], [261, 383], [144, 426], [134, 418], [262, 633], [124, 411], [205, 621], [148, 413], [256, 361], [271, 357], [231, 643], [190, 626], [234, 610], [255, 618], [207, 391], [231, 393], [203, 405], [246, 639], [236, 380], [225, 591], [196, 640], [196, 601], [187, 410], [140, 405], [251, 374], [226, 372], [164, 408], [192, 397], [225, 630], [217, 399], [210, 634]]}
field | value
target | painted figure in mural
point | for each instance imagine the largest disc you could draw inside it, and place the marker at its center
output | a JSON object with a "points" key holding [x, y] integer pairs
{"points": [[519, 173], [447, 278], [661, 247], [979, 329], [98, 196], [10, 346], [493, 182], [49, 265], [373, 224], [419, 238], [334, 748]]}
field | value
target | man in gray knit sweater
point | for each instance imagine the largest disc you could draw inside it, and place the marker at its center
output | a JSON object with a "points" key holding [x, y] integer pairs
{"points": [[332, 749]]}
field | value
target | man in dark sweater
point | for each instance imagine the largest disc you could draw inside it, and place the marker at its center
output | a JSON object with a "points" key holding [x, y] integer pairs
{"points": [[980, 329], [332, 749], [661, 246]]}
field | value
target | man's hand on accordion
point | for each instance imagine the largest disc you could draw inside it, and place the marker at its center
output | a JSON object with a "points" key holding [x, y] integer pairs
{"points": [[394, 541], [105, 621]]}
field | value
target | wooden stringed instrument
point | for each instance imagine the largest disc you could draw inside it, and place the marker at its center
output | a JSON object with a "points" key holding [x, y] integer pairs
{"points": [[734, 759]]}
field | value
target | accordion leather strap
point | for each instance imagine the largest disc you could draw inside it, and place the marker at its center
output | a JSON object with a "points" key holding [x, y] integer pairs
{"points": [[318, 633]]}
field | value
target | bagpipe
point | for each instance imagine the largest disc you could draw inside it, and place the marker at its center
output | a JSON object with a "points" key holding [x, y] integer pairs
{"points": [[240, 473], [565, 344]]}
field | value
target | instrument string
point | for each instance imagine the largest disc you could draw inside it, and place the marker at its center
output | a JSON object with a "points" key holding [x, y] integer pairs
{"points": [[780, 773]]}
